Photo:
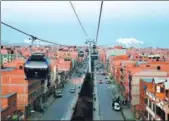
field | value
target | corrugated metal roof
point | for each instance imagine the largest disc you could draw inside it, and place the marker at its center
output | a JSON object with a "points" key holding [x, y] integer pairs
{"points": [[160, 80], [140, 62], [8, 69], [166, 84], [155, 55], [7, 95]]}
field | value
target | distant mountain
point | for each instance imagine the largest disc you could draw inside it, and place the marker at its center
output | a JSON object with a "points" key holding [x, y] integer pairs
{"points": [[7, 43]]}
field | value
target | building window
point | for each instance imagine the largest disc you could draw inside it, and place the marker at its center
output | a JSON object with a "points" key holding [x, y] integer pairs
{"points": [[20, 67], [154, 107], [146, 114], [167, 93], [163, 115], [161, 89], [158, 110], [150, 117], [150, 104], [14, 103], [146, 101]]}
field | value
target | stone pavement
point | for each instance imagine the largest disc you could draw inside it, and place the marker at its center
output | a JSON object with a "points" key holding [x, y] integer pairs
{"points": [[126, 111]]}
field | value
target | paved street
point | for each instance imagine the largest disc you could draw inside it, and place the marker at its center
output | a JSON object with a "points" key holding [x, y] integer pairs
{"points": [[61, 105], [105, 100]]}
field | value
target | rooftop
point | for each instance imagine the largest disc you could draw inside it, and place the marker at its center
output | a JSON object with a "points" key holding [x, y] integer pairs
{"points": [[141, 62], [8, 69], [166, 84], [7, 95], [147, 79], [160, 80], [151, 72]]}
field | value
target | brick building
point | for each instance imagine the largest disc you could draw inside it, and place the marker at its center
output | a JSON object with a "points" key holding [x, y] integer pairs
{"points": [[29, 92], [8, 105]]}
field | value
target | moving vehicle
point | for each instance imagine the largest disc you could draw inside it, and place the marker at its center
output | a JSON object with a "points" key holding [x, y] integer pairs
{"points": [[72, 90], [100, 82], [37, 67], [103, 73]]}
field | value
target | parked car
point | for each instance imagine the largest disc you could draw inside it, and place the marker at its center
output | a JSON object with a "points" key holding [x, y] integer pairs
{"points": [[72, 90], [103, 73], [116, 106], [58, 94]]}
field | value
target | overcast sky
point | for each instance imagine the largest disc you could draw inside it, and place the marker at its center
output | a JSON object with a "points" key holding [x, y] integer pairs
{"points": [[144, 22]]}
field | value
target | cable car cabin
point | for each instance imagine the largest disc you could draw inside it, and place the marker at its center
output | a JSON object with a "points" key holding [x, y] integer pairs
{"points": [[37, 67], [94, 56], [81, 54], [94, 46]]}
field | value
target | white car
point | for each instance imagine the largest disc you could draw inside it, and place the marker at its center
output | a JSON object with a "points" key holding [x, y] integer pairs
{"points": [[72, 90], [117, 106]]}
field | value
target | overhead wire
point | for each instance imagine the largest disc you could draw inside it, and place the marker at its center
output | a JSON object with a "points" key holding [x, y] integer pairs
{"points": [[32, 36], [83, 29], [97, 34]]}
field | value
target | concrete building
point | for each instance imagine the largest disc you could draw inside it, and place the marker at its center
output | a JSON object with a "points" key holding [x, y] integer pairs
{"points": [[134, 81], [157, 100]]}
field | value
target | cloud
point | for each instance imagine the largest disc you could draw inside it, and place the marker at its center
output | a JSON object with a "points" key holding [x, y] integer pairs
{"points": [[27, 41], [37, 42], [61, 11], [129, 42]]}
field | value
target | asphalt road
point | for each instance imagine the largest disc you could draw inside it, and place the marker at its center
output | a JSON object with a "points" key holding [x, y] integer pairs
{"points": [[105, 100], [61, 105]]}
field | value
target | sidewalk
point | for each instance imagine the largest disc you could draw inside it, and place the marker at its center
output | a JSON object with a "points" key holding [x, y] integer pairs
{"points": [[37, 115], [126, 111]]}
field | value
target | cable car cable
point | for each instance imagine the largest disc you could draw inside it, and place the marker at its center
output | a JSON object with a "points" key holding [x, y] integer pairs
{"points": [[33, 37], [16, 29], [78, 19], [99, 21]]}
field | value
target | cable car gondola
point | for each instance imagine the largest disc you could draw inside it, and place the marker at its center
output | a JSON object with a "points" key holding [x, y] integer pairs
{"points": [[81, 54], [94, 55], [37, 67], [94, 47]]}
